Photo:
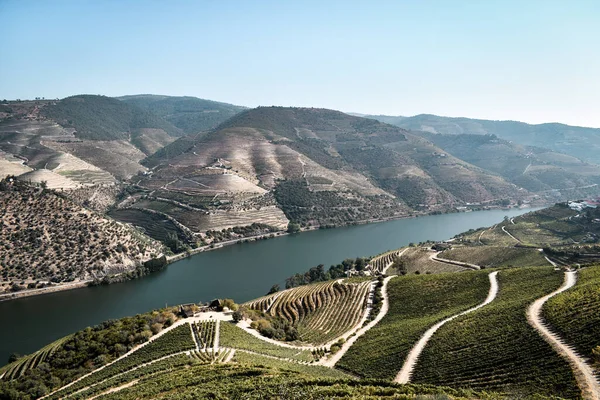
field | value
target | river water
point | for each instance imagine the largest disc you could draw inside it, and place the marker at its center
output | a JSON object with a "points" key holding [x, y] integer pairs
{"points": [[241, 271]]}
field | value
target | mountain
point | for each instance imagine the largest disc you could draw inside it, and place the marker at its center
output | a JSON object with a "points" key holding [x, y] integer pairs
{"points": [[190, 114], [580, 142], [533, 168], [321, 167], [80, 140]]}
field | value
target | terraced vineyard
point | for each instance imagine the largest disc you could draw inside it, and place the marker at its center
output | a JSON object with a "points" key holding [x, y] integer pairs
{"points": [[379, 263], [211, 357], [574, 315], [313, 370], [204, 332], [381, 351], [495, 349], [232, 336], [167, 364], [419, 259], [31, 361], [177, 340], [322, 311], [493, 256]]}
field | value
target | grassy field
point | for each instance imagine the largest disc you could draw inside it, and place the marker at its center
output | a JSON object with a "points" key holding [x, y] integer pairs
{"points": [[496, 349], [575, 315], [493, 256], [416, 303], [232, 336]]}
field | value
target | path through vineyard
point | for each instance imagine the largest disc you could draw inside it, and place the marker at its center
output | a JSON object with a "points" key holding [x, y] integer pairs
{"points": [[411, 360], [385, 305], [583, 372]]}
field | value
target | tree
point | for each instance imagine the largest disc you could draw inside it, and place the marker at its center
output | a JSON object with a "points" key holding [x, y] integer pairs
{"points": [[274, 289], [13, 357], [293, 227]]}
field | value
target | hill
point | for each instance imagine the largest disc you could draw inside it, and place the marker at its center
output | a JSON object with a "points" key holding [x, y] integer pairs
{"points": [[533, 168], [104, 118], [48, 240], [190, 114], [579, 142], [86, 139], [321, 167]]}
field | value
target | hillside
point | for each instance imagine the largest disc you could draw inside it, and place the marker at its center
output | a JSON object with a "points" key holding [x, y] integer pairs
{"points": [[79, 141], [48, 241], [579, 142], [190, 114], [533, 168], [321, 167]]}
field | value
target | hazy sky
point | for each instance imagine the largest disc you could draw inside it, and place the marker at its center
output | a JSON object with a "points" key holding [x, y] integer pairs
{"points": [[534, 61]]}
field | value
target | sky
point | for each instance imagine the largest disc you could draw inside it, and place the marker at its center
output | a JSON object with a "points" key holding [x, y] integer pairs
{"points": [[532, 61]]}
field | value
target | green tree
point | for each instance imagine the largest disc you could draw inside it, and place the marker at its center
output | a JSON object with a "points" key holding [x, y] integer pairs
{"points": [[293, 227], [274, 289]]}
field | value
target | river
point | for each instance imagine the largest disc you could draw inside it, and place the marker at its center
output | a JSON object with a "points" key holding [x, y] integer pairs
{"points": [[241, 271]]}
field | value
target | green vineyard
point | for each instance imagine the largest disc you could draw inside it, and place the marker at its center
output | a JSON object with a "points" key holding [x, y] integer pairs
{"points": [[416, 303], [575, 315], [379, 263], [177, 340], [26, 363], [232, 336], [322, 311], [204, 333], [495, 348]]}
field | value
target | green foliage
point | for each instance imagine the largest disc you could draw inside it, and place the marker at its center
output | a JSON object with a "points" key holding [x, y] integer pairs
{"points": [[190, 114], [494, 348], [283, 382], [104, 118], [167, 364], [177, 340], [416, 303], [232, 336], [85, 351], [293, 227], [318, 273], [575, 314], [316, 371]]}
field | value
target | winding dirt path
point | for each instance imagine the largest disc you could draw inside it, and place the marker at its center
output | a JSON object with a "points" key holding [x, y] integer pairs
{"points": [[589, 385], [411, 360], [509, 234], [385, 305]]}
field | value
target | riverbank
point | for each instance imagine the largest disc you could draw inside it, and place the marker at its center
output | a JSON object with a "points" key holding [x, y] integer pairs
{"points": [[177, 257]]}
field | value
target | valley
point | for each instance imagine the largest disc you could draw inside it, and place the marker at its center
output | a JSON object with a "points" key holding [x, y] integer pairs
{"points": [[464, 337]]}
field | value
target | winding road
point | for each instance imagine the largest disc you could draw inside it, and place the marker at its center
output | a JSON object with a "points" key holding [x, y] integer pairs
{"points": [[411, 360], [584, 375]]}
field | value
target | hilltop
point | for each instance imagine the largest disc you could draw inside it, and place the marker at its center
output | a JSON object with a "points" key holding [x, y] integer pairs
{"points": [[579, 142], [190, 114]]}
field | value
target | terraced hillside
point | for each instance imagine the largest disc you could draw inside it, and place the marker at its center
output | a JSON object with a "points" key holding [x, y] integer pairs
{"points": [[576, 141], [381, 351], [485, 349], [496, 256], [574, 316], [48, 239], [533, 168], [321, 312], [568, 237]]}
